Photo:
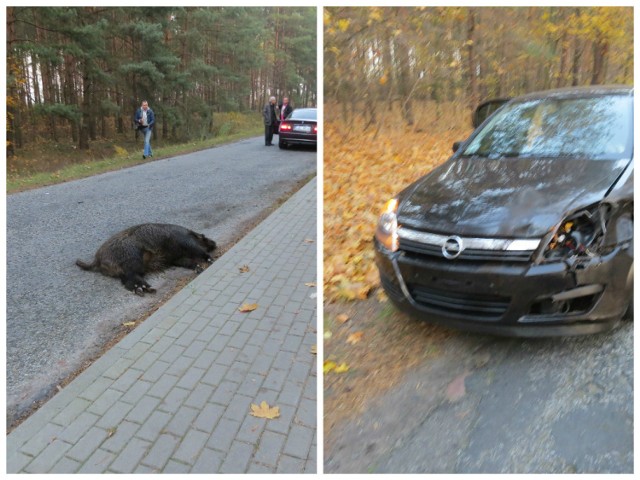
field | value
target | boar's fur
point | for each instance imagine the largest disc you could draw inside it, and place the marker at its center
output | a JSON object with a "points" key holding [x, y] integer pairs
{"points": [[149, 247]]}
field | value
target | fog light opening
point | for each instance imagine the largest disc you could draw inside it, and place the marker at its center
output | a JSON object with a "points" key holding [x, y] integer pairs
{"points": [[576, 305]]}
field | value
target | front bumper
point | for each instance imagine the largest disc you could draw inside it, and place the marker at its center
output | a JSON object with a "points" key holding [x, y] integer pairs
{"points": [[514, 299]]}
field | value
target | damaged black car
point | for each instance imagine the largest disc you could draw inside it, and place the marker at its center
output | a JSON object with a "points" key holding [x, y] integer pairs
{"points": [[527, 230]]}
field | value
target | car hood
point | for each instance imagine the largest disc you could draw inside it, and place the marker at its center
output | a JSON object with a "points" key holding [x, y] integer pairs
{"points": [[505, 197]]}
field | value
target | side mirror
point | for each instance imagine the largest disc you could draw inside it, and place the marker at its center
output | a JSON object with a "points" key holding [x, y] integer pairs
{"points": [[456, 146]]}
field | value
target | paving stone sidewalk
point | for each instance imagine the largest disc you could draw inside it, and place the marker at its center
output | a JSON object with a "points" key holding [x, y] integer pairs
{"points": [[175, 394]]}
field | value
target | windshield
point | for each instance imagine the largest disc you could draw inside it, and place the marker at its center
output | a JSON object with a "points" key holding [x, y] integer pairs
{"points": [[595, 127], [304, 114]]}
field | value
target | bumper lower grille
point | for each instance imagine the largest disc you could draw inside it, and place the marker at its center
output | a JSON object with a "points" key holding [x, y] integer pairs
{"points": [[467, 304]]}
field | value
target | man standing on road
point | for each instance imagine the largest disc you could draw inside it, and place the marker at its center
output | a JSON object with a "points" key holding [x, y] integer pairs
{"points": [[144, 121], [270, 114], [285, 108]]}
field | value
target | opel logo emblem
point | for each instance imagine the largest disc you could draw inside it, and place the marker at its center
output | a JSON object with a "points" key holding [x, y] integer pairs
{"points": [[452, 247]]}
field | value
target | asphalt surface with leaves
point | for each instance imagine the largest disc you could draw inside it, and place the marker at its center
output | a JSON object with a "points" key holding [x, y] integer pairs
{"points": [[58, 316], [418, 398]]}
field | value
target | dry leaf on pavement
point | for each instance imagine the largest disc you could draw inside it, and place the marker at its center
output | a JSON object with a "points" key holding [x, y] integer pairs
{"points": [[244, 269], [331, 366], [314, 349], [355, 337], [309, 240], [128, 324], [342, 368], [310, 284], [248, 307], [328, 366], [265, 411]]}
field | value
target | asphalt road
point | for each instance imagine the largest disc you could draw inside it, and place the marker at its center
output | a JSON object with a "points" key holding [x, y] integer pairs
{"points": [[58, 315], [494, 405]]}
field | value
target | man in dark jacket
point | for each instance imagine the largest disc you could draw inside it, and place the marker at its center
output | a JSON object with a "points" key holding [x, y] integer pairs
{"points": [[270, 115], [144, 121], [285, 108]]}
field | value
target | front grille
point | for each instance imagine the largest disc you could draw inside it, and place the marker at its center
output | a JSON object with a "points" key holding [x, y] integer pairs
{"points": [[462, 303], [473, 255]]}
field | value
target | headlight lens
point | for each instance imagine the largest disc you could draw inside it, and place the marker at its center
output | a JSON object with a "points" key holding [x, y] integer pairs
{"points": [[387, 230]]}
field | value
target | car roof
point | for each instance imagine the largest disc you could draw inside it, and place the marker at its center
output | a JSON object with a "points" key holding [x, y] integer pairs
{"points": [[585, 91]]}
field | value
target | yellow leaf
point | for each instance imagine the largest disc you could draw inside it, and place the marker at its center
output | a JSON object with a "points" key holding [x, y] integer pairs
{"points": [[111, 432], [383, 80], [244, 269], [128, 324], [314, 349], [328, 366], [355, 337], [310, 284], [248, 307], [343, 317], [343, 24], [342, 368], [327, 334], [265, 411]]}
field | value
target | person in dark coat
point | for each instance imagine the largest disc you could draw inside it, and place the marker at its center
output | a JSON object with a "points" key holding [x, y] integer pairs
{"points": [[270, 114], [285, 108], [144, 121]]}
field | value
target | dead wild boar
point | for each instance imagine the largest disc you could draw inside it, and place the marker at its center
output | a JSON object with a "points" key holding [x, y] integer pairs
{"points": [[149, 247]]}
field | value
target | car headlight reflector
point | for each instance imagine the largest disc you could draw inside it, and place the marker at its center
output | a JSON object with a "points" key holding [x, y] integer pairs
{"points": [[387, 229], [578, 235]]}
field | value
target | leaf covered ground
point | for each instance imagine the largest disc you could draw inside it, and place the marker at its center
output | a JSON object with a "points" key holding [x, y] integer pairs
{"points": [[362, 172], [368, 344]]}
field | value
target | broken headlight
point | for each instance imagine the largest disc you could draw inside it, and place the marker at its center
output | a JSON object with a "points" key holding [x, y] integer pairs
{"points": [[580, 234]]}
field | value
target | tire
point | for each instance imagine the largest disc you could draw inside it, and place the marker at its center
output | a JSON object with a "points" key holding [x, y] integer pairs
{"points": [[281, 144]]}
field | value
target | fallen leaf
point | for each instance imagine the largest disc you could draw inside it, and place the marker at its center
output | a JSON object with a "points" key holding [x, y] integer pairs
{"points": [[381, 296], [248, 307], [314, 295], [342, 368], [455, 390], [244, 269], [314, 349], [128, 324], [111, 431], [327, 334], [355, 337], [328, 366], [310, 284], [309, 240], [342, 318], [265, 411]]}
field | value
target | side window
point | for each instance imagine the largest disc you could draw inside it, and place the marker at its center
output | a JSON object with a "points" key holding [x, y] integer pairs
{"points": [[485, 109]]}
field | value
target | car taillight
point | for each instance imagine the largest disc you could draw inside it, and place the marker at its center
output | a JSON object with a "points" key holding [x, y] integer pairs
{"points": [[315, 129], [285, 126]]}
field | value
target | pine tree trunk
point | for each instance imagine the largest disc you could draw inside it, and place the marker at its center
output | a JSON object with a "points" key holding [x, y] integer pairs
{"points": [[600, 52]]}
